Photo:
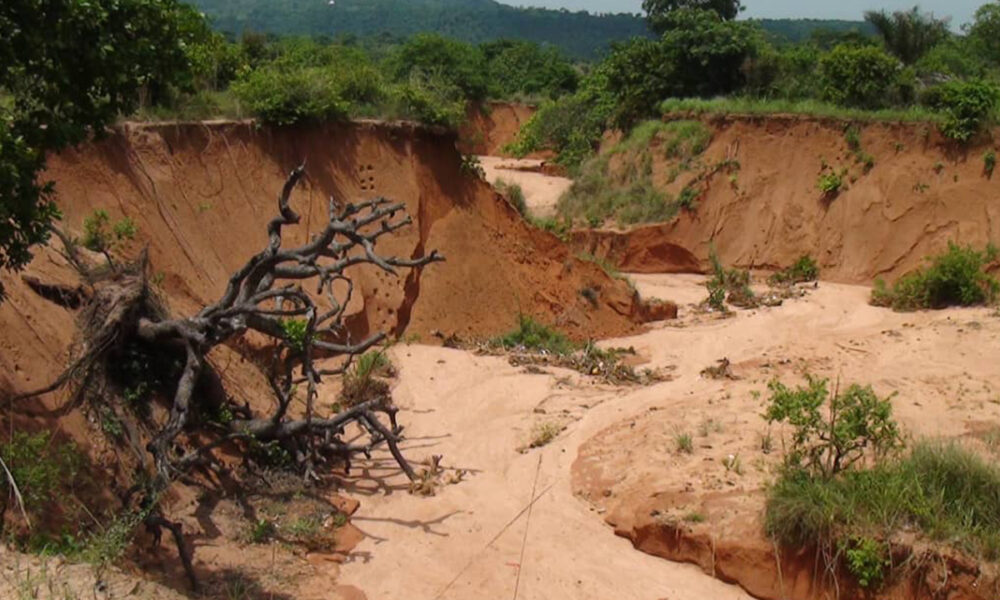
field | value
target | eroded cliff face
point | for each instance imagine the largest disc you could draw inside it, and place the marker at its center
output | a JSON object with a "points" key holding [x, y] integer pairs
{"points": [[201, 194], [921, 193]]}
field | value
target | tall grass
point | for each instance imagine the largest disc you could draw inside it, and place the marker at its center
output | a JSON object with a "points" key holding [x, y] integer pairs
{"points": [[944, 491], [814, 108]]}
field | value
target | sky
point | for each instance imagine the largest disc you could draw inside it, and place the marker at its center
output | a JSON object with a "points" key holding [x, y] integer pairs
{"points": [[960, 10]]}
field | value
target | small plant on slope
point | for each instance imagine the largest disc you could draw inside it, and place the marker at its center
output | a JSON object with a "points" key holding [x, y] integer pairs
{"points": [[532, 335], [805, 269], [852, 425], [956, 277]]}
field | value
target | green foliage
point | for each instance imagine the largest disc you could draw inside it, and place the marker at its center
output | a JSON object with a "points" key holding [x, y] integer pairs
{"points": [[814, 108], [684, 443], [69, 69], [532, 335], [956, 277], [42, 468], [472, 167], [943, 491], [596, 196], [698, 55], [514, 194], [580, 35], [989, 162], [659, 12], [853, 425], [805, 269], [262, 531], [454, 63], [97, 237], [858, 77], [286, 96], [830, 183], [527, 69], [968, 107], [908, 34], [732, 285], [295, 333], [866, 559]]}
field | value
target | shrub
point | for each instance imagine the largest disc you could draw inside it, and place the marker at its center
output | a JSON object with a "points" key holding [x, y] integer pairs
{"points": [[284, 95], [598, 195], [542, 434], [866, 559], [830, 183], [429, 99], [361, 382], [97, 237], [858, 76], [40, 468], [956, 277], [514, 194], [968, 107], [732, 285], [804, 269], [989, 162], [943, 491], [295, 333], [532, 335], [855, 424]]}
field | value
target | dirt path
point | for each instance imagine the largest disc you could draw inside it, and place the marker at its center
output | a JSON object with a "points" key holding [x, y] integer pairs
{"points": [[467, 541], [541, 192], [477, 411]]}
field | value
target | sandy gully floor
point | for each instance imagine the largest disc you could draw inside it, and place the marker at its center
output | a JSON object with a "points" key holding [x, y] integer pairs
{"points": [[484, 538], [541, 192]]}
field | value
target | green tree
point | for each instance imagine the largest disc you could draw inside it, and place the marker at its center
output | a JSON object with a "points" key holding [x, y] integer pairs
{"points": [[438, 57], [658, 11], [858, 76], [699, 55], [69, 68], [908, 34], [984, 32], [519, 67]]}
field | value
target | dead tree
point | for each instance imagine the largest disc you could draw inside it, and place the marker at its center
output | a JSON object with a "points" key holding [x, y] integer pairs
{"points": [[263, 296], [267, 295]]}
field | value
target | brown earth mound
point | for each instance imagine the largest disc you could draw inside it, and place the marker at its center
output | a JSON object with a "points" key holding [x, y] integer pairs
{"points": [[490, 127], [921, 193]]}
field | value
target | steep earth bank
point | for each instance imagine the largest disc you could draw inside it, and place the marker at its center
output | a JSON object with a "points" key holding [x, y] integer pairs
{"points": [[922, 192], [492, 126]]}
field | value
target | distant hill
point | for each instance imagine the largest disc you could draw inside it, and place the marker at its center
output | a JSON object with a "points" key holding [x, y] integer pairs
{"points": [[580, 35], [798, 30]]}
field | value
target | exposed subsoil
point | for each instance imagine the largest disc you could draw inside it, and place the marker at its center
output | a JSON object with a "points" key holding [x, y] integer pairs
{"points": [[505, 520], [922, 192]]}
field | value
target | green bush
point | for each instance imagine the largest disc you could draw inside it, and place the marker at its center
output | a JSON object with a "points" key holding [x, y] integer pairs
{"points": [[532, 335], [40, 467], [286, 96], [989, 162], [429, 99], [295, 333], [98, 238], [732, 285], [968, 107], [514, 194], [866, 559], [858, 76], [943, 491], [457, 64], [830, 183], [804, 269], [956, 277], [832, 432]]}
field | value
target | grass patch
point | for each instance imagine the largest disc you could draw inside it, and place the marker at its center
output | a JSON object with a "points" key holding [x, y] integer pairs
{"points": [[813, 108], [728, 285], [805, 269], [598, 195], [532, 335], [514, 194], [542, 434], [956, 277], [945, 491], [362, 382], [684, 443]]}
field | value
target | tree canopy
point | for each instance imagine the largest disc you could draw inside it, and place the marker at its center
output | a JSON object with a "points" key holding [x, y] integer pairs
{"points": [[70, 68], [658, 12]]}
